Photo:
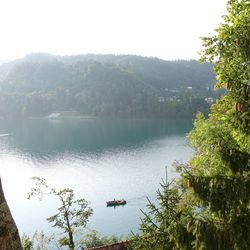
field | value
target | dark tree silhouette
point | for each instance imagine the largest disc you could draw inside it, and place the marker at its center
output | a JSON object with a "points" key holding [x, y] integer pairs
{"points": [[9, 237]]}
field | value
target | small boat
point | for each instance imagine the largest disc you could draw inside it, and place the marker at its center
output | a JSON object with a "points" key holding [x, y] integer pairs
{"points": [[116, 203]]}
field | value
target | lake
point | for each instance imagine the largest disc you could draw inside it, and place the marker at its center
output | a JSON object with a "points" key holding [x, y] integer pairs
{"points": [[101, 159]]}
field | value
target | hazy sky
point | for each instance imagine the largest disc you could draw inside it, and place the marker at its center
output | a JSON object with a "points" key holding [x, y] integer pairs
{"points": [[168, 29]]}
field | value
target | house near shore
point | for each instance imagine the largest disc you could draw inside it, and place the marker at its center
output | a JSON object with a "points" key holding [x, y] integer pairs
{"points": [[54, 115], [63, 114], [161, 99], [209, 100]]}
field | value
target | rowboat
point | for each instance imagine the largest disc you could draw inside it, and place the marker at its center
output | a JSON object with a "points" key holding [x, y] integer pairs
{"points": [[116, 203]]}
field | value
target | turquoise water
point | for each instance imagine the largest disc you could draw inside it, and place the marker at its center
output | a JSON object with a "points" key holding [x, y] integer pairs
{"points": [[100, 159]]}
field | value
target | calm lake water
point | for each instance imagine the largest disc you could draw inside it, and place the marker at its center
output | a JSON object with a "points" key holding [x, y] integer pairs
{"points": [[100, 159]]}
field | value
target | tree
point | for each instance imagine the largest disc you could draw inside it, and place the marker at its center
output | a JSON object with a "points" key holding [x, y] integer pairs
{"points": [[102, 85], [164, 225], [95, 239], [40, 241], [9, 237], [27, 242], [214, 187], [71, 215], [220, 169]]}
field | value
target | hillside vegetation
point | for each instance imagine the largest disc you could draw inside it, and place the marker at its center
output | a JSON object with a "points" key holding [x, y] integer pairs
{"points": [[104, 85]]}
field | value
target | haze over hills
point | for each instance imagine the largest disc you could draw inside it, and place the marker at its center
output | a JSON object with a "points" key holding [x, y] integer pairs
{"points": [[104, 85]]}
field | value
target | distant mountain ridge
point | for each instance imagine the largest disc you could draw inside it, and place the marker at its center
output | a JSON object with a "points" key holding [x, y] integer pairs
{"points": [[102, 84]]}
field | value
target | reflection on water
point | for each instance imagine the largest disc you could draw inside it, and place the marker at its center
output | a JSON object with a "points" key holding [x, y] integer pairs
{"points": [[99, 159]]}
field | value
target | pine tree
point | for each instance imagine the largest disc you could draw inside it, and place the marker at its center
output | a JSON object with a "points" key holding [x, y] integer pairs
{"points": [[214, 188], [219, 172], [161, 226]]}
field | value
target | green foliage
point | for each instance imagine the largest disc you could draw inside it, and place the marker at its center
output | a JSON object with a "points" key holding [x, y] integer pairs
{"points": [[42, 241], [229, 51], [214, 192], [27, 243], [72, 214], [219, 170], [214, 187], [164, 225], [95, 239], [89, 239], [39, 241]]}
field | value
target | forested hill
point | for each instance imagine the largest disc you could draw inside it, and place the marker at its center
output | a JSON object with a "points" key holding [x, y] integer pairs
{"points": [[109, 85]]}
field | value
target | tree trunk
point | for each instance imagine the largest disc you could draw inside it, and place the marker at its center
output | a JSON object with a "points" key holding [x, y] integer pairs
{"points": [[9, 237], [71, 238]]}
